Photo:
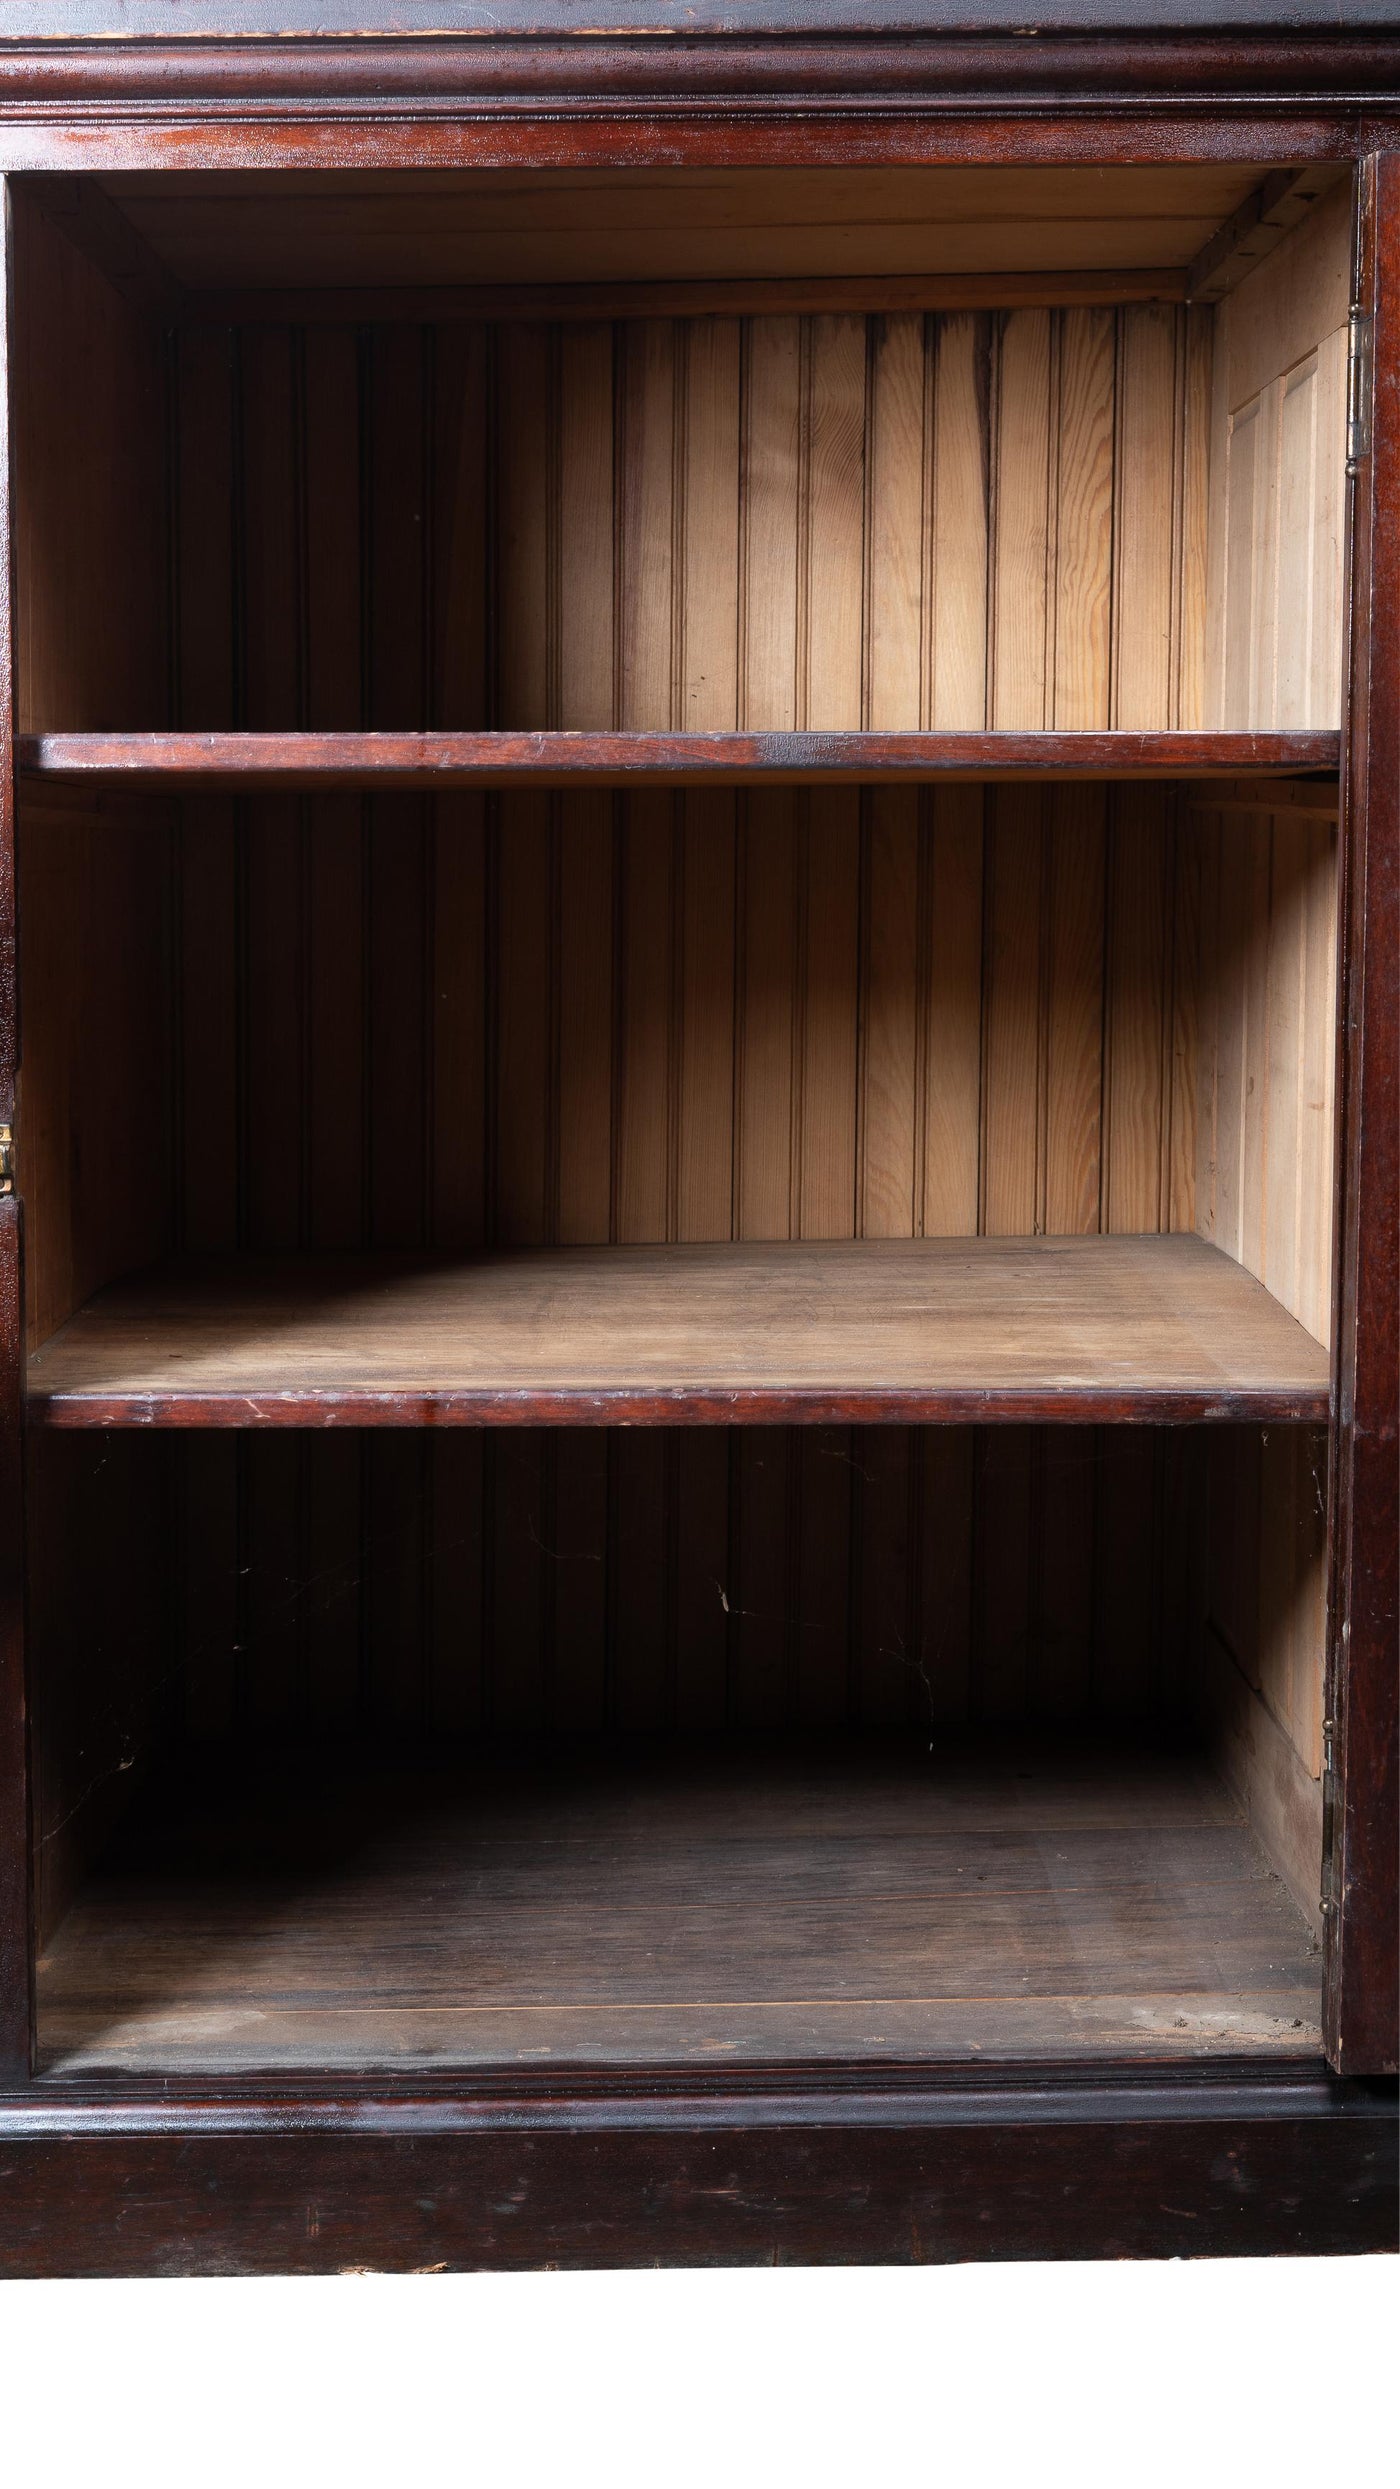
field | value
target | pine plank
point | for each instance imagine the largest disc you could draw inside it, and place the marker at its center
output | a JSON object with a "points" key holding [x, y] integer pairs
{"points": [[1084, 497], [705, 1204], [583, 976], [769, 485], [710, 513], [952, 1088], [645, 1183], [1137, 1073], [832, 583], [1146, 534], [1012, 1202], [828, 1069], [583, 620], [649, 622], [1073, 1036], [896, 654], [962, 466], [766, 1052], [889, 1056], [1020, 546]]}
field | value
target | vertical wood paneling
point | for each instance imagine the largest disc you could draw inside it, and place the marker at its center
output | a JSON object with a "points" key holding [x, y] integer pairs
{"points": [[829, 1463], [829, 1070], [1084, 493], [956, 520], [770, 482], [1137, 1071], [522, 1122], [709, 519], [458, 1038], [648, 633], [1073, 1030], [463, 570], [1277, 446], [831, 594], [890, 1052], [890, 1681], [583, 1003], [1264, 1145], [646, 1163], [582, 569], [1020, 628], [962, 470], [1146, 536], [455, 1689], [1062, 1663], [952, 910], [701, 1616], [1013, 1054], [898, 510], [765, 1601], [525, 472], [766, 980], [705, 1205]]}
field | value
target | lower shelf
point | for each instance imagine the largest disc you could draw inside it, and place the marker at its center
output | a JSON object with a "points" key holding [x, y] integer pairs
{"points": [[876, 1903]]}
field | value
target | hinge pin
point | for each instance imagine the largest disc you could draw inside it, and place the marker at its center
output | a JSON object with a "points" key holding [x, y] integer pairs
{"points": [[7, 1158], [1358, 388]]}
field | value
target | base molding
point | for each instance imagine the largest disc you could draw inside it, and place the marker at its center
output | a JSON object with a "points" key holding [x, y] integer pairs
{"points": [[1288, 2161]]}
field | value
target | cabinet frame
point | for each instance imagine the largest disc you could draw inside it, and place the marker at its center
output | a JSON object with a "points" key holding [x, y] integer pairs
{"points": [[866, 2166]]}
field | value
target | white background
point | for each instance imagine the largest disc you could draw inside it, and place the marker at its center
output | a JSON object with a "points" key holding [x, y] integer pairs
{"points": [[1133, 2375]]}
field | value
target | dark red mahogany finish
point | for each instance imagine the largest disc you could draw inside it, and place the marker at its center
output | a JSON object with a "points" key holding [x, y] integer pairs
{"points": [[424, 762], [848, 2166]]}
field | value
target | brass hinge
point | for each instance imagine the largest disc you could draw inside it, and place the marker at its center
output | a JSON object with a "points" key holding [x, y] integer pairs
{"points": [[7, 1158], [1328, 1899], [1358, 388]]}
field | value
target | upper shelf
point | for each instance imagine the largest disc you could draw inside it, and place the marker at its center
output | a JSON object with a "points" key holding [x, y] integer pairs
{"points": [[1085, 1329], [432, 761]]}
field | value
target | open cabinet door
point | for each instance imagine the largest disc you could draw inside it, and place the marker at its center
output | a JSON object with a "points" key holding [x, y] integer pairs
{"points": [[15, 1948], [1363, 1779]]}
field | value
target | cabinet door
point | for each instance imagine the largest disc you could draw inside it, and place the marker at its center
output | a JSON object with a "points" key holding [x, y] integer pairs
{"points": [[1364, 1782], [15, 1949]]}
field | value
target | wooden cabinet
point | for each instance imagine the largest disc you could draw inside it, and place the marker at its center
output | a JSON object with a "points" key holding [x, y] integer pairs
{"points": [[699, 1244]]}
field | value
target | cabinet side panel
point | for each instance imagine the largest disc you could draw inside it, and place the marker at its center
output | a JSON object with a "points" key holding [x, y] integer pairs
{"points": [[89, 458], [1267, 1041], [1278, 451]]}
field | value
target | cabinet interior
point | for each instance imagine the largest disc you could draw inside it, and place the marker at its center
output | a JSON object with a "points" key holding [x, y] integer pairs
{"points": [[457, 1746]]}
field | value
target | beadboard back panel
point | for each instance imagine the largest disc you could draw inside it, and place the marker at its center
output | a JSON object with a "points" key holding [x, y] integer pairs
{"points": [[943, 520], [579, 1583], [588, 1019]]}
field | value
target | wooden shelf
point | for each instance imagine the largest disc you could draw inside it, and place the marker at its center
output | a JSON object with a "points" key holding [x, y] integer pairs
{"points": [[1126, 1328], [884, 1900], [426, 762]]}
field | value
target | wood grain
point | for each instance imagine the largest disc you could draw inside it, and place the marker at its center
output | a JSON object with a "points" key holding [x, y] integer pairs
{"points": [[1138, 1326], [797, 511], [1274, 639], [1267, 1052], [320, 228], [892, 1904], [427, 762]]}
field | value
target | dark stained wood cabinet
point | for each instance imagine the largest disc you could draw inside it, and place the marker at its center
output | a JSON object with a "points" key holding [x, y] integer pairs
{"points": [[698, 948]]}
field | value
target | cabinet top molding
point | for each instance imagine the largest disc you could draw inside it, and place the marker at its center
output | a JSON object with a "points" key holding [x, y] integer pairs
{"points": [[70, 21]]}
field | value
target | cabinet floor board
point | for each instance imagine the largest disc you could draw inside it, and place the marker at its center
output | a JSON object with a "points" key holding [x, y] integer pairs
{"points": [[882, 1901]]}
